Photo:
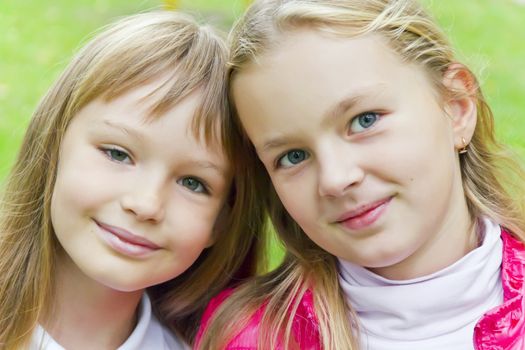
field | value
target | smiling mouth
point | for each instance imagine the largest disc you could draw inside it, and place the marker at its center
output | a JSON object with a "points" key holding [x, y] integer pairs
{"points": [[364, 216], [125, 242]]}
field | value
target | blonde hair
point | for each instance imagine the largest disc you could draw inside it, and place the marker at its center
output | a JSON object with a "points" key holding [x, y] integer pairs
{"points": [[492, 180], [125, 55]]}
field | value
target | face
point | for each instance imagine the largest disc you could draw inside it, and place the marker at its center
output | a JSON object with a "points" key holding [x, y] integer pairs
{"points": [[135, 201], [359, 150]]}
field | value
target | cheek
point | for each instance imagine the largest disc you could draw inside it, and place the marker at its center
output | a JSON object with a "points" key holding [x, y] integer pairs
{"points": [[77, 188], [422, 161], [186, 247], [72, 207], [190, 227], [191, 236], [418, 149], [298, 197]]}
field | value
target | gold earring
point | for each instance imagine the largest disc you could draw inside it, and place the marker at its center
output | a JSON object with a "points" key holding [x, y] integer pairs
{"points": [[465, 145]]}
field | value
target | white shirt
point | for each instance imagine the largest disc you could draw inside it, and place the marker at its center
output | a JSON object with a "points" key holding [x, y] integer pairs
{"points": [[148, 334], [433, 312]]}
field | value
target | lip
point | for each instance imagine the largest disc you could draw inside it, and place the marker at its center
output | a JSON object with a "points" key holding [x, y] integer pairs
{"points": [[126, 242], [364, 215]]}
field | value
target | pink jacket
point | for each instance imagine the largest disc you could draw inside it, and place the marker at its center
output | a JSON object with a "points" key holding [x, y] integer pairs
{"points": [[502, 328]]}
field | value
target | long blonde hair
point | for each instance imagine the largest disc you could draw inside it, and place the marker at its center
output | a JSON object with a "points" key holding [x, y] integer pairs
{"points": [[492, 180], [123, 56]]}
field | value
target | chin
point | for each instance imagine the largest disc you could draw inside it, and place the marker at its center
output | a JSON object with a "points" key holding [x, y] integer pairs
{"points": [[383, 259], [124, 286], [124, 282]]}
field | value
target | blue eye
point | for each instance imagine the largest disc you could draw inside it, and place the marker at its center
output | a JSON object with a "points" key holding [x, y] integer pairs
{"points": [[193, 184], [363, 121], [292, 158], [117, 155]]}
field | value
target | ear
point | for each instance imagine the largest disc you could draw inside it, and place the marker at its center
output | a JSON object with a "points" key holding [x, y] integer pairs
{"points": [[461, 105], [221, 224]]}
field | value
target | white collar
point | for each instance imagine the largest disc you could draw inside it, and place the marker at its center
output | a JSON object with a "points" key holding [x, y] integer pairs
{"points": [[438, 311], [148, 334]]}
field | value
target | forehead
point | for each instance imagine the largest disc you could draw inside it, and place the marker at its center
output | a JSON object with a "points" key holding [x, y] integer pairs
{"points": [[154, 100], [310, 72], [303, 55], [310, 64], [145, 97], [134, 109]]}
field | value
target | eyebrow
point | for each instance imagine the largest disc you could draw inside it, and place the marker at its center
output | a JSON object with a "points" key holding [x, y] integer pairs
{"points": [[209, 165], [332, 113], [341, 107], [124, 129]]}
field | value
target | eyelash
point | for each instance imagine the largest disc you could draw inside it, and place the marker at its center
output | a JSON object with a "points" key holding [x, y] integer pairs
{"points": [[201, 183], [356, 118], [278, 164], [109, 150]]}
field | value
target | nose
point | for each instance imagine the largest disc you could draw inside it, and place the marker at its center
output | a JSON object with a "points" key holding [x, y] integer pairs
{"points": [[338, 170], [145, 200]]}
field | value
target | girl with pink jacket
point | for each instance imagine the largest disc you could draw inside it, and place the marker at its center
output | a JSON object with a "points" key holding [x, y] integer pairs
{"points": [[402, 217]]}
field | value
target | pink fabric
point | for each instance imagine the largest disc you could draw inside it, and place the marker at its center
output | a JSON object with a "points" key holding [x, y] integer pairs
{"points": [[502, 328], [304, 326]]}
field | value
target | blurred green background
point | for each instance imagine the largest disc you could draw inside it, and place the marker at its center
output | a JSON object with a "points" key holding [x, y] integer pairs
{"points": [[37, 38]]}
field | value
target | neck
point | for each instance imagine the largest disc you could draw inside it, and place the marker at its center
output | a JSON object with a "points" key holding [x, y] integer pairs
{"points": [[87, 314], [440, 309]]}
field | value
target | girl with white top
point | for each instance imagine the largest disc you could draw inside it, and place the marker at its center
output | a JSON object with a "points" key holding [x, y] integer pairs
{"points": [[124, 184]]}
